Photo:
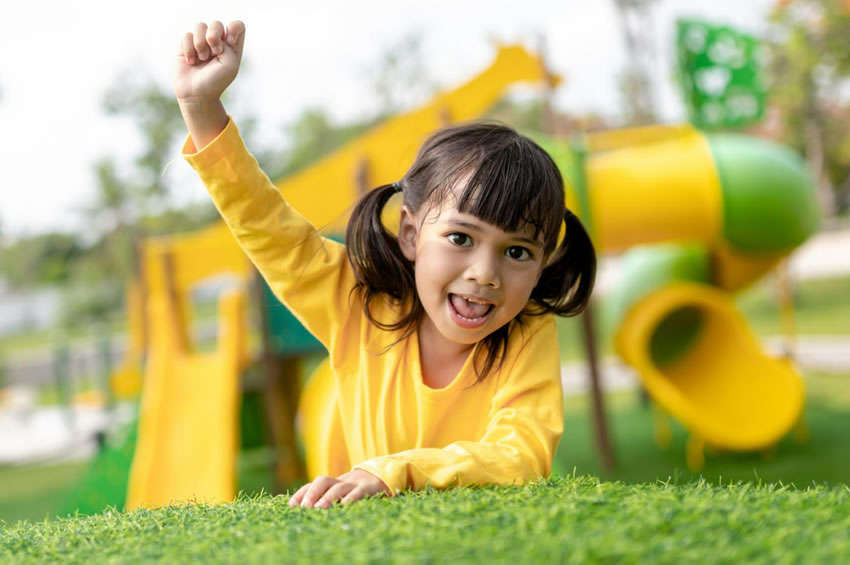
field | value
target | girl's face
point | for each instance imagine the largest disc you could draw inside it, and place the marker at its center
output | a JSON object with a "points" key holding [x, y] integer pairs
{"points": [[472, 277]]}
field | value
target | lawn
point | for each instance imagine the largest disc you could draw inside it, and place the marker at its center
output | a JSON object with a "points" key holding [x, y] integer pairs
{"points": [[823, 458], [36, 492], [562, 520]]}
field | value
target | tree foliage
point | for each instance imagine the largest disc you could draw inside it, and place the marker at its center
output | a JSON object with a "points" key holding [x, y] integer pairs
{"points": [[41, 259], [809, 69]]}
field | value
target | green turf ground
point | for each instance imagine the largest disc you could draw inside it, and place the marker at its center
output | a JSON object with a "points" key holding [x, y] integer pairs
{"points": [[566, 520], [36, 492], [824, 458]]}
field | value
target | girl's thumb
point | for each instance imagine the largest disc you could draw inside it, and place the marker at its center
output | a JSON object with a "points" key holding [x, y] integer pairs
{"points": [[236, 35]]}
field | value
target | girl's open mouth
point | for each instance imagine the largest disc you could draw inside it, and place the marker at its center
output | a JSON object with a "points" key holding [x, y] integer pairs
{"points": [[468, 313]]}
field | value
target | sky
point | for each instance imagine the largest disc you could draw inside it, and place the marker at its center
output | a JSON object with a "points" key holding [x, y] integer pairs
{"points": [[57, 59]]}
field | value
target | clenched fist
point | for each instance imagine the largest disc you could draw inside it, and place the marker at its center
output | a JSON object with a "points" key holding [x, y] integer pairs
{"points": [[208, 60]]}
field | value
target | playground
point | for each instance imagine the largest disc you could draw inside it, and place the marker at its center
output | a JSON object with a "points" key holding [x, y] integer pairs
{"points": [[707, 384]]}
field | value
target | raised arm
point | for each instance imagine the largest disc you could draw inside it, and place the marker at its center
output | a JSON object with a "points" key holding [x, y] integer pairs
{"points": [[304, 270], [207, 62]]}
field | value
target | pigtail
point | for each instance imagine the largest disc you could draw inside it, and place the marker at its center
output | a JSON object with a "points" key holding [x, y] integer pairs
{"points": [[565, 285], [376, 259]]}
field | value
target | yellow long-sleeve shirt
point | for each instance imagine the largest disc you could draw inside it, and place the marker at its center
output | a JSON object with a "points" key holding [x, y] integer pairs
{"points": [[503, 430]]}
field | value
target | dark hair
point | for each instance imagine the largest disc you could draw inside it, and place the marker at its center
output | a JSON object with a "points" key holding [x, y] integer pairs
{"points": [[523, 187]]}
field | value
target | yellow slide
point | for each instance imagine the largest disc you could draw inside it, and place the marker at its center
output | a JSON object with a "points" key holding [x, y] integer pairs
{"points": [[188, 436], [188, 425], [724, 389]]}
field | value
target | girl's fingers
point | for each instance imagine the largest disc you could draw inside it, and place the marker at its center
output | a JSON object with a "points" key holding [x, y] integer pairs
{"points": [[215, 37], [356, 494], [200, 42], [235, 33], [317, 489], [333, 494], [187, 49], [296, 498]]}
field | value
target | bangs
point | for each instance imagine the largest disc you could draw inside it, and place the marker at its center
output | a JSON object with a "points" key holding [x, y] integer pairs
{"points": [[515, 187], [491, 172]]}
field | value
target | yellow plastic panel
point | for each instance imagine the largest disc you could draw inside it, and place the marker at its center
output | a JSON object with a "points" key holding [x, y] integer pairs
{"points": [[733, 270], [209, 252], [188, 425], [324, 192], [665, 190], [609, 140]]}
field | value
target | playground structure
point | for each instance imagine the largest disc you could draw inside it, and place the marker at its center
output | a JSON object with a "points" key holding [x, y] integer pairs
{"points": [[701, 217], [717, 212]]}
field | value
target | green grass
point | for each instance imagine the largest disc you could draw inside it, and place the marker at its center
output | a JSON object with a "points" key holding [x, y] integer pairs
{"points": [[824, 458], [563, 520], [36, 492], [821, 307]]}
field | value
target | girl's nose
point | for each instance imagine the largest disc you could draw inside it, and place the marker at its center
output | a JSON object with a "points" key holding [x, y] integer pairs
{"points": [[484, 271]]}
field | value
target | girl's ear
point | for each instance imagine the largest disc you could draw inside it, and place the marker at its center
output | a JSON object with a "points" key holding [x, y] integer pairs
{"points": [[407, 234]]}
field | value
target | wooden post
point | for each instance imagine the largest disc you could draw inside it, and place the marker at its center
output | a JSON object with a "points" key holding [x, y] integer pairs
{"points": [[603, 443], [282, 389], [600, 425], [785, 293], [176, 312], [361, 176], [444, 116], [141, 276]]}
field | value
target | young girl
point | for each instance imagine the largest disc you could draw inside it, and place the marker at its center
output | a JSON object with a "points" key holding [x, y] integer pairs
{"points": [[441, 338]]}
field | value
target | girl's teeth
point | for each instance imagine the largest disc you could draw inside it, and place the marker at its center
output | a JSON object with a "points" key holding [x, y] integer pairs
{"points": [[470, 309]]}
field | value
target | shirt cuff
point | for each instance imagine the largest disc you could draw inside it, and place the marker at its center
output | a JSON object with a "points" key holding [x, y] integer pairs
{"points": [[391, 472], [215, 150]]}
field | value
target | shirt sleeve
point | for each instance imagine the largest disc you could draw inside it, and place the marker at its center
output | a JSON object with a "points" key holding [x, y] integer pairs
{"points": [[307, 272], [525, 425]]}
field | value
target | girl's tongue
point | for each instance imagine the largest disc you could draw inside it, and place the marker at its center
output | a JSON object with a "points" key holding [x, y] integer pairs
{"points": [[467, 308]]}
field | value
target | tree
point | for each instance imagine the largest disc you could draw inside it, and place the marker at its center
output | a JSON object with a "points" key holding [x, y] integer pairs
{"points": [[43, 259], [809, 67], [400, 79], [158, 118], [311, 136]]}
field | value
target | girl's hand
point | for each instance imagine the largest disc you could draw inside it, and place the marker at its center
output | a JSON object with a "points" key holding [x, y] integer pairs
{"points": [[207, 63], [351, 486], [208, 60]]}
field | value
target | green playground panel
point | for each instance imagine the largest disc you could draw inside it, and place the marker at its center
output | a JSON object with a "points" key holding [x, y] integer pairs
{"points": [[719, 72], [287, 336]]}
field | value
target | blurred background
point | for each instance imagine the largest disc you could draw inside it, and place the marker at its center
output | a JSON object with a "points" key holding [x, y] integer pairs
{"points": [[97, 202]]}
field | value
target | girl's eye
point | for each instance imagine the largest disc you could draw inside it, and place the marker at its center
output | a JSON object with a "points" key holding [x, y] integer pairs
{"points": [[460, 239], [518, 253]]}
